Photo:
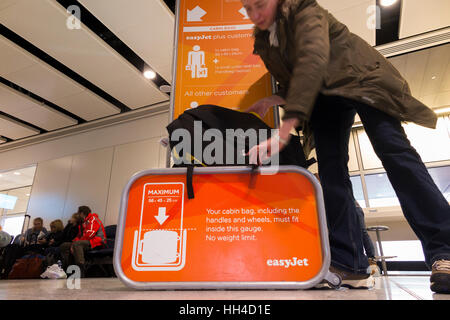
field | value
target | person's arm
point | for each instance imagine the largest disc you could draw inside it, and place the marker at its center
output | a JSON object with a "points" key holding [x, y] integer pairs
{"points": [[263, 105], [91, 229], [312, 51], [79, 234], [58, 239]]}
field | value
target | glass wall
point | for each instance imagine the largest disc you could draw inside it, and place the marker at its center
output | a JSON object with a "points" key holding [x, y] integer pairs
{"points": [[15, 191], [371, 185]]}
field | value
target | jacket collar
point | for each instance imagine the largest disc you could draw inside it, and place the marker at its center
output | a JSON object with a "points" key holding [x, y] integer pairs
{"points": [[281, 17]]}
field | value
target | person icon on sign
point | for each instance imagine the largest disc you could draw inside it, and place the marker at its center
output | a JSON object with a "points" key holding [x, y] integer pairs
{"points": [[196, 63]]}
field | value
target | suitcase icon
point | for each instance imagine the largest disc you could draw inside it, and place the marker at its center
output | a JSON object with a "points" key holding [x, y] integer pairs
{"points": [[202, 73]]}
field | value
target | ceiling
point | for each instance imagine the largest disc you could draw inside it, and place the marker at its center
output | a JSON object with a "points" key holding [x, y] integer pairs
{"points": [[57, 72], [18, 178], [428, 74]]}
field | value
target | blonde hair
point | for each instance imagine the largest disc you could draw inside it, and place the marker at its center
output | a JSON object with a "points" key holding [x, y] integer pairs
{"points": [[58, 224], [77, 217]]}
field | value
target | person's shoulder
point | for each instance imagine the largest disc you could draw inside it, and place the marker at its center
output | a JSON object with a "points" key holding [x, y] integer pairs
{"points": [[290, 7]]}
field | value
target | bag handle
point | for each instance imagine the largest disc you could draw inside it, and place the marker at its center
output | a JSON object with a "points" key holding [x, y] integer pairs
{"points": [[189, 184]]}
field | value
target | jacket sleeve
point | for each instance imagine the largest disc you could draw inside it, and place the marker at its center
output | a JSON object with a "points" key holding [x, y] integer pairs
{"points": [[91, 229], [59, 238], [312, 51], [79, 234]]}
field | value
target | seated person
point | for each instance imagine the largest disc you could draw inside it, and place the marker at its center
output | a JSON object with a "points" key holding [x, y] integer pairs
{"points": [[70, 232], [91, 235], [52, 242], [33, 240], [5, 239], [55, 237], [72, 228], [30, 242]]}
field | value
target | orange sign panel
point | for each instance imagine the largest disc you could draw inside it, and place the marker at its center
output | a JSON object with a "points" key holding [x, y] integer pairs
{"points": [[229, 232], [215, 63]]}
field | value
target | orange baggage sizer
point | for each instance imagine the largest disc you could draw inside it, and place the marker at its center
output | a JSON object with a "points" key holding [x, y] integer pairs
{"points": [[244, 229]]}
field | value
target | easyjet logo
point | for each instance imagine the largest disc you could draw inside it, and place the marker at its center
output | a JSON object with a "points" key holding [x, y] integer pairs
{"points": [[287, 263]]}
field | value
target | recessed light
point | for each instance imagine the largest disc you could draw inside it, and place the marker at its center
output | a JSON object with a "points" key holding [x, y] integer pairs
{"points": [[149, 74], [17, 173], [433, 78], [387, 3]]}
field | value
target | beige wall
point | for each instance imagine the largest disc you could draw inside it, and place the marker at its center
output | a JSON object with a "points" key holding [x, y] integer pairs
{"points": [[89, 168], [423, 16], [358, 15]]}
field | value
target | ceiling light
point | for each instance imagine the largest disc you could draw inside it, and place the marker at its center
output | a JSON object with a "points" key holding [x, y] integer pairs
{"points": [[165, 88], [442, 110], [17, 173], [149, 74], [387, 3], [433, 78]]}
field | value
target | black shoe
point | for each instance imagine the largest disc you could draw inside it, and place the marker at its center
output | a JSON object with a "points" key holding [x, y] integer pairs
{"points": [[440, 276]]}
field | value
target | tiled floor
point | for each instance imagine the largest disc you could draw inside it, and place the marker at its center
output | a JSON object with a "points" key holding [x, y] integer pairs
{"points": [[403, 287]]}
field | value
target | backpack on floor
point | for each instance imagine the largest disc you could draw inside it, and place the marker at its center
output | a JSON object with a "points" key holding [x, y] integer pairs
{"points": [[28, 267]]}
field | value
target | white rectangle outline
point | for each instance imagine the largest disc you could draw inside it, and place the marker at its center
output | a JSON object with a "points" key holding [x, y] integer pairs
{"points": [[180, 260], [231, 27]]}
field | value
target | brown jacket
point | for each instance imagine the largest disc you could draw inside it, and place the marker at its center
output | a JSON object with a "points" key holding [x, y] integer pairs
{"points": [[318, 54]]}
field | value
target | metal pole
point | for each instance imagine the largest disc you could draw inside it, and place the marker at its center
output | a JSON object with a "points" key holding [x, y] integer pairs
{"points": [[383, 261]]}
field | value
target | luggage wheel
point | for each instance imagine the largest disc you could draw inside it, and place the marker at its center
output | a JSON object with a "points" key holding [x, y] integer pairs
{"points": [[333, 279]]}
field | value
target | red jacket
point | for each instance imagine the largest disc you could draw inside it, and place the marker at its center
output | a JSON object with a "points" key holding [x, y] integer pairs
{"points": [[92, 230]]}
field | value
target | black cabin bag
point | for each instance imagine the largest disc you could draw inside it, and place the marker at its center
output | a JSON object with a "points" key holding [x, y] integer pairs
{"points": [[231, 134]]}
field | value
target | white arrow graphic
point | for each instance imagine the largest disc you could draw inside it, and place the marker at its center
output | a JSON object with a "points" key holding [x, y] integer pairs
{"points": [[161, 217], [244, 13], [195, 14]]}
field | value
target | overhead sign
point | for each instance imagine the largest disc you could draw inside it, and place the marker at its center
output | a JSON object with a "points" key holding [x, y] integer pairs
{"points": [[214, 60], [232, 232], [7, 202]]}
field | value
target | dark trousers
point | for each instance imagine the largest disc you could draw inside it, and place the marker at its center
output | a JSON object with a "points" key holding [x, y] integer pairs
{"points": [[424, 206], [79, 249], [367, 242]]}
